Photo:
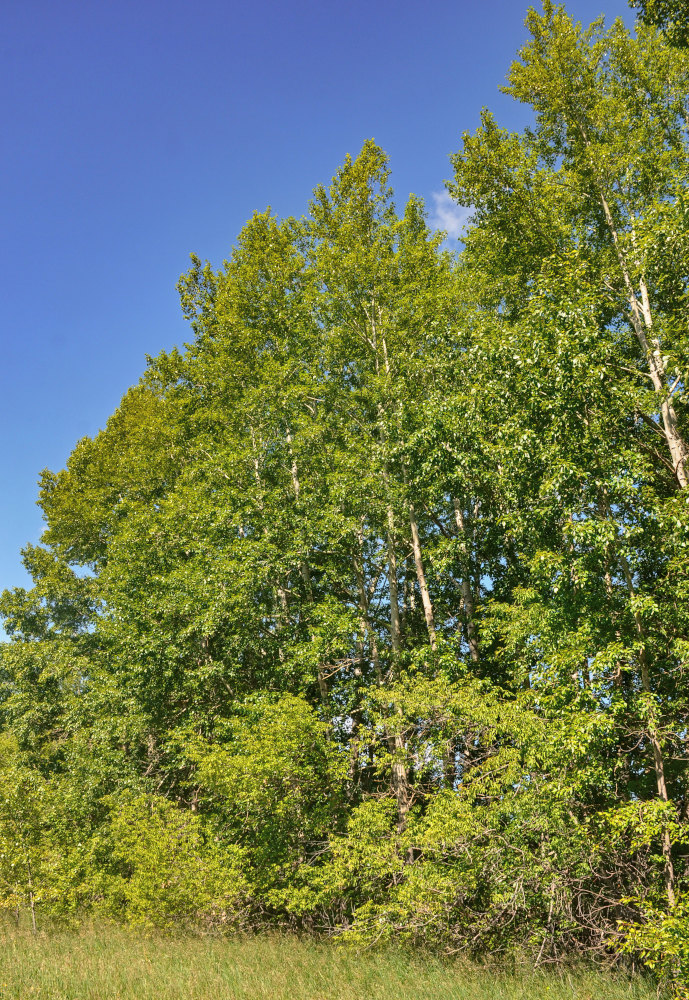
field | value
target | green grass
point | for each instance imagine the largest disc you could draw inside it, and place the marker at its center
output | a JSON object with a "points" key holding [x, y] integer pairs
{"points": [[108, 963]]}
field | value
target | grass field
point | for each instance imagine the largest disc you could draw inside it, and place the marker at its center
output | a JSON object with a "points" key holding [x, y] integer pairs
{"points": [[107, 963]]}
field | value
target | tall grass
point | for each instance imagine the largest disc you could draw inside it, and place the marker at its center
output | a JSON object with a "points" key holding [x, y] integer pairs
{"points": [[108, 963]]}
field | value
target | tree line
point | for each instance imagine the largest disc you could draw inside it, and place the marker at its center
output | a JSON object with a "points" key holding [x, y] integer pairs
{"points": [[367, 612]]}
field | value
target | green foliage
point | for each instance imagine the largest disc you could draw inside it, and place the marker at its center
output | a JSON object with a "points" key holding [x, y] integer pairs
{"points": [[672, 16], [28, 853], [366, 612], [277, 781], [174, 869], [662, 941]]}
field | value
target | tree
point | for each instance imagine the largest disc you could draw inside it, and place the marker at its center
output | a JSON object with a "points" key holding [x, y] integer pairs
{"points": [[598, 185], [573, 217], [671, 16]]}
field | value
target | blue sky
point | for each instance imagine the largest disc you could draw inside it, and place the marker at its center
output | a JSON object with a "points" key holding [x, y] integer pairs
{"points": [[137, 132]]}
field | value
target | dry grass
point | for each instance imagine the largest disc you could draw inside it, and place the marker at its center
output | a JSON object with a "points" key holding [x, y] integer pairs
{"points": [[108, 963]]}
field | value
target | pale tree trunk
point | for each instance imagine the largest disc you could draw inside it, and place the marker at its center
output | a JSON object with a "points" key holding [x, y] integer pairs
{"points": [[642, 322], [467, 592], [421, 577]]}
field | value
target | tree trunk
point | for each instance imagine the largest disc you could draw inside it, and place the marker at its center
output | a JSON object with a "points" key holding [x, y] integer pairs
{"points": [[642, 322], [421, 577]]}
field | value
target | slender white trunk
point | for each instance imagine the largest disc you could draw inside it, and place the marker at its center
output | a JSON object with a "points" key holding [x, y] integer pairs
{"points": [[421, 577], [642, 323]]}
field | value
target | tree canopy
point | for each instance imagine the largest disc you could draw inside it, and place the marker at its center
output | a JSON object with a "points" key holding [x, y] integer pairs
{"points": [[367, 613], [672, 16]]}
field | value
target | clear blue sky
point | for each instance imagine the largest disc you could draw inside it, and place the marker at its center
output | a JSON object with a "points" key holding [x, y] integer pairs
{"points": [[137, 132]]}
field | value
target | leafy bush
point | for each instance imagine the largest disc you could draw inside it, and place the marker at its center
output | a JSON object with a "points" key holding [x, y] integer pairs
{"points": [[173, 870]]}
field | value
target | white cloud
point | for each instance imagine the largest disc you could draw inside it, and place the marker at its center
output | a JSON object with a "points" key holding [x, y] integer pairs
{"points": [[448, 215]]}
